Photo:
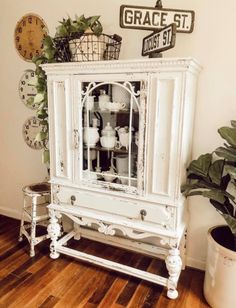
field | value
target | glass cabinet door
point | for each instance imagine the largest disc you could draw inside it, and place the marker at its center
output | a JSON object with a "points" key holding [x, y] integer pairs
{"points": [[113, 130]]}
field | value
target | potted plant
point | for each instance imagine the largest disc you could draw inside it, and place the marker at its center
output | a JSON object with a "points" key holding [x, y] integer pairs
{"points": [[78, 38], [213, 175]]}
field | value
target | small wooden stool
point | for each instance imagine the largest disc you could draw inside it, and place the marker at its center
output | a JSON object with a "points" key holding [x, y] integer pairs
{"points": [[34, 212]]}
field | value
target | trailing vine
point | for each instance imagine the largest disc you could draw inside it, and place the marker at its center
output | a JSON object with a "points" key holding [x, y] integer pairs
{"points": [[65, 31]]}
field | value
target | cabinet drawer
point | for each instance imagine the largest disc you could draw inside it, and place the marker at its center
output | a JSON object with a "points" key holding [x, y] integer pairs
{"points": [[161, 215]]}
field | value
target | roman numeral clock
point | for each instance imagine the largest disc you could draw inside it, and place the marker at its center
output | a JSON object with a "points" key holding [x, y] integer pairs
{"points": [[29, 34]]}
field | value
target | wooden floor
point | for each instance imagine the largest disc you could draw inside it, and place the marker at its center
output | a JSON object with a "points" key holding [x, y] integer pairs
{"points": [[65, 282]]}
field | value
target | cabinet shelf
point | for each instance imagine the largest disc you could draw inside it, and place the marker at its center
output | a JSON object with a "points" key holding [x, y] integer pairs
{"points": [[106, 111], [134, 149]]}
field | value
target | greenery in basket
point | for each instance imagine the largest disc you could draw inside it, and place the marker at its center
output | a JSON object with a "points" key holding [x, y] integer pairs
{"points": [[213, 175], [80, 25], [69, 29]]}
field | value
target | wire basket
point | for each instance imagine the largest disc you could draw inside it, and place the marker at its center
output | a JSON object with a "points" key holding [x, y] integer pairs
{"points": [[90, 47]]}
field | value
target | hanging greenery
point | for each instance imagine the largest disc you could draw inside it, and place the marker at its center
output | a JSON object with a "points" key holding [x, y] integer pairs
{"points": [[68, 29]]}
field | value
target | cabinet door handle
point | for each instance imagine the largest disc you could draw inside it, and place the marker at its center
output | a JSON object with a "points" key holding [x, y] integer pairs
{"points": [[72, 200], [76, 138], [143, 213], [62, 165]]}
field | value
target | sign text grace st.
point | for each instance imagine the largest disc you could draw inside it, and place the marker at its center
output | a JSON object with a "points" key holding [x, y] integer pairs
{"points": [[146, 18]]}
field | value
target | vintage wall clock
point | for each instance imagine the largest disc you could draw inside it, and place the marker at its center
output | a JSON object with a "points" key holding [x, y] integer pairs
{"points": [[29, 33], [31, 128], [27, 89]]}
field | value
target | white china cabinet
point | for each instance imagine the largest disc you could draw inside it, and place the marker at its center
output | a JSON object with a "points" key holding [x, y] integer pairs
{"points": [[120, 140]]}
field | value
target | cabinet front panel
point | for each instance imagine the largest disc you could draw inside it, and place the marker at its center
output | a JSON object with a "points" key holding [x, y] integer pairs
{"points": [[163, 216], [163, 151], [61, 130]]}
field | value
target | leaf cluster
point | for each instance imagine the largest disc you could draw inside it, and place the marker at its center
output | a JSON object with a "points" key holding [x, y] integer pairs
{"points": [[41, 98], [213, 175], [79, 25]]}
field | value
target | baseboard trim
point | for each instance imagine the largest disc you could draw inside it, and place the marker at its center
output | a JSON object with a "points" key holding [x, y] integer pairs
{"points": [[192, 262], [10, 212]]}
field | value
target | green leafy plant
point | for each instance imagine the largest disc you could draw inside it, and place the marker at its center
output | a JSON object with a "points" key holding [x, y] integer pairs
{"points": [[67, 29], [213, 175], [78, 26]]}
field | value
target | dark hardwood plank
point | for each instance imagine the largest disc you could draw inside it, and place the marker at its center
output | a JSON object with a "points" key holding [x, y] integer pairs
{"points": [[49, 302]]}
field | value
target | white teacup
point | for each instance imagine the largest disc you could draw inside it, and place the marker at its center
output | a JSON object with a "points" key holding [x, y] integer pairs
{"points": [[115, 106], [109, 175]]}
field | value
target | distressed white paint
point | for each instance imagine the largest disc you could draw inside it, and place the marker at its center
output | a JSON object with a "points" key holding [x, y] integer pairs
{"points": [[164, 148]]}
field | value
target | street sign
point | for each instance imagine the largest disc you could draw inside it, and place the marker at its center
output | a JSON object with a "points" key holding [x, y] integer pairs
{"points": [[148, 18], [159, 41]]}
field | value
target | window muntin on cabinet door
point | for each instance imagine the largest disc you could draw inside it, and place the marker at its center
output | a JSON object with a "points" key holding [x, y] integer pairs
{"points": [[113, 134]]}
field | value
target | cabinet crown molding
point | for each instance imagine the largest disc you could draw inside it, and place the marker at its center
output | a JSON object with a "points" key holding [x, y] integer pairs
{"points": [[121, 66]]}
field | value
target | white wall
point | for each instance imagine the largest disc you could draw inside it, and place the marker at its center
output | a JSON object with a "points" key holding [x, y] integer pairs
{"points": [[212, 43]]}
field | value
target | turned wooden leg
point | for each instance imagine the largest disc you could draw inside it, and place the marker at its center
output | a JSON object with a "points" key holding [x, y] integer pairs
{"points": [[54, 231], [174, 265], [22, 221], [77, 230], [32, 238], [33, 226]]}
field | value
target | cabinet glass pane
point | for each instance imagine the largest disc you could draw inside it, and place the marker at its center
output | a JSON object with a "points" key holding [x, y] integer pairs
{"points": [[110, 126]]}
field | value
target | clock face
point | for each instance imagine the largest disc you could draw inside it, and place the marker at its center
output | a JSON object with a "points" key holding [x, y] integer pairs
{"points": [[27, 89], [31, 128], [29, 33]]}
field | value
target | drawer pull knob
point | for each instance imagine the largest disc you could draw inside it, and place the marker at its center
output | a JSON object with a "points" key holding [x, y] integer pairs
{"points": [[72, 200], [143, 214]]}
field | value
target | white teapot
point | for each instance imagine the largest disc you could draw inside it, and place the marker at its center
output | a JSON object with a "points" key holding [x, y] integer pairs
{"points": [[108, 130], [108, 139]]}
